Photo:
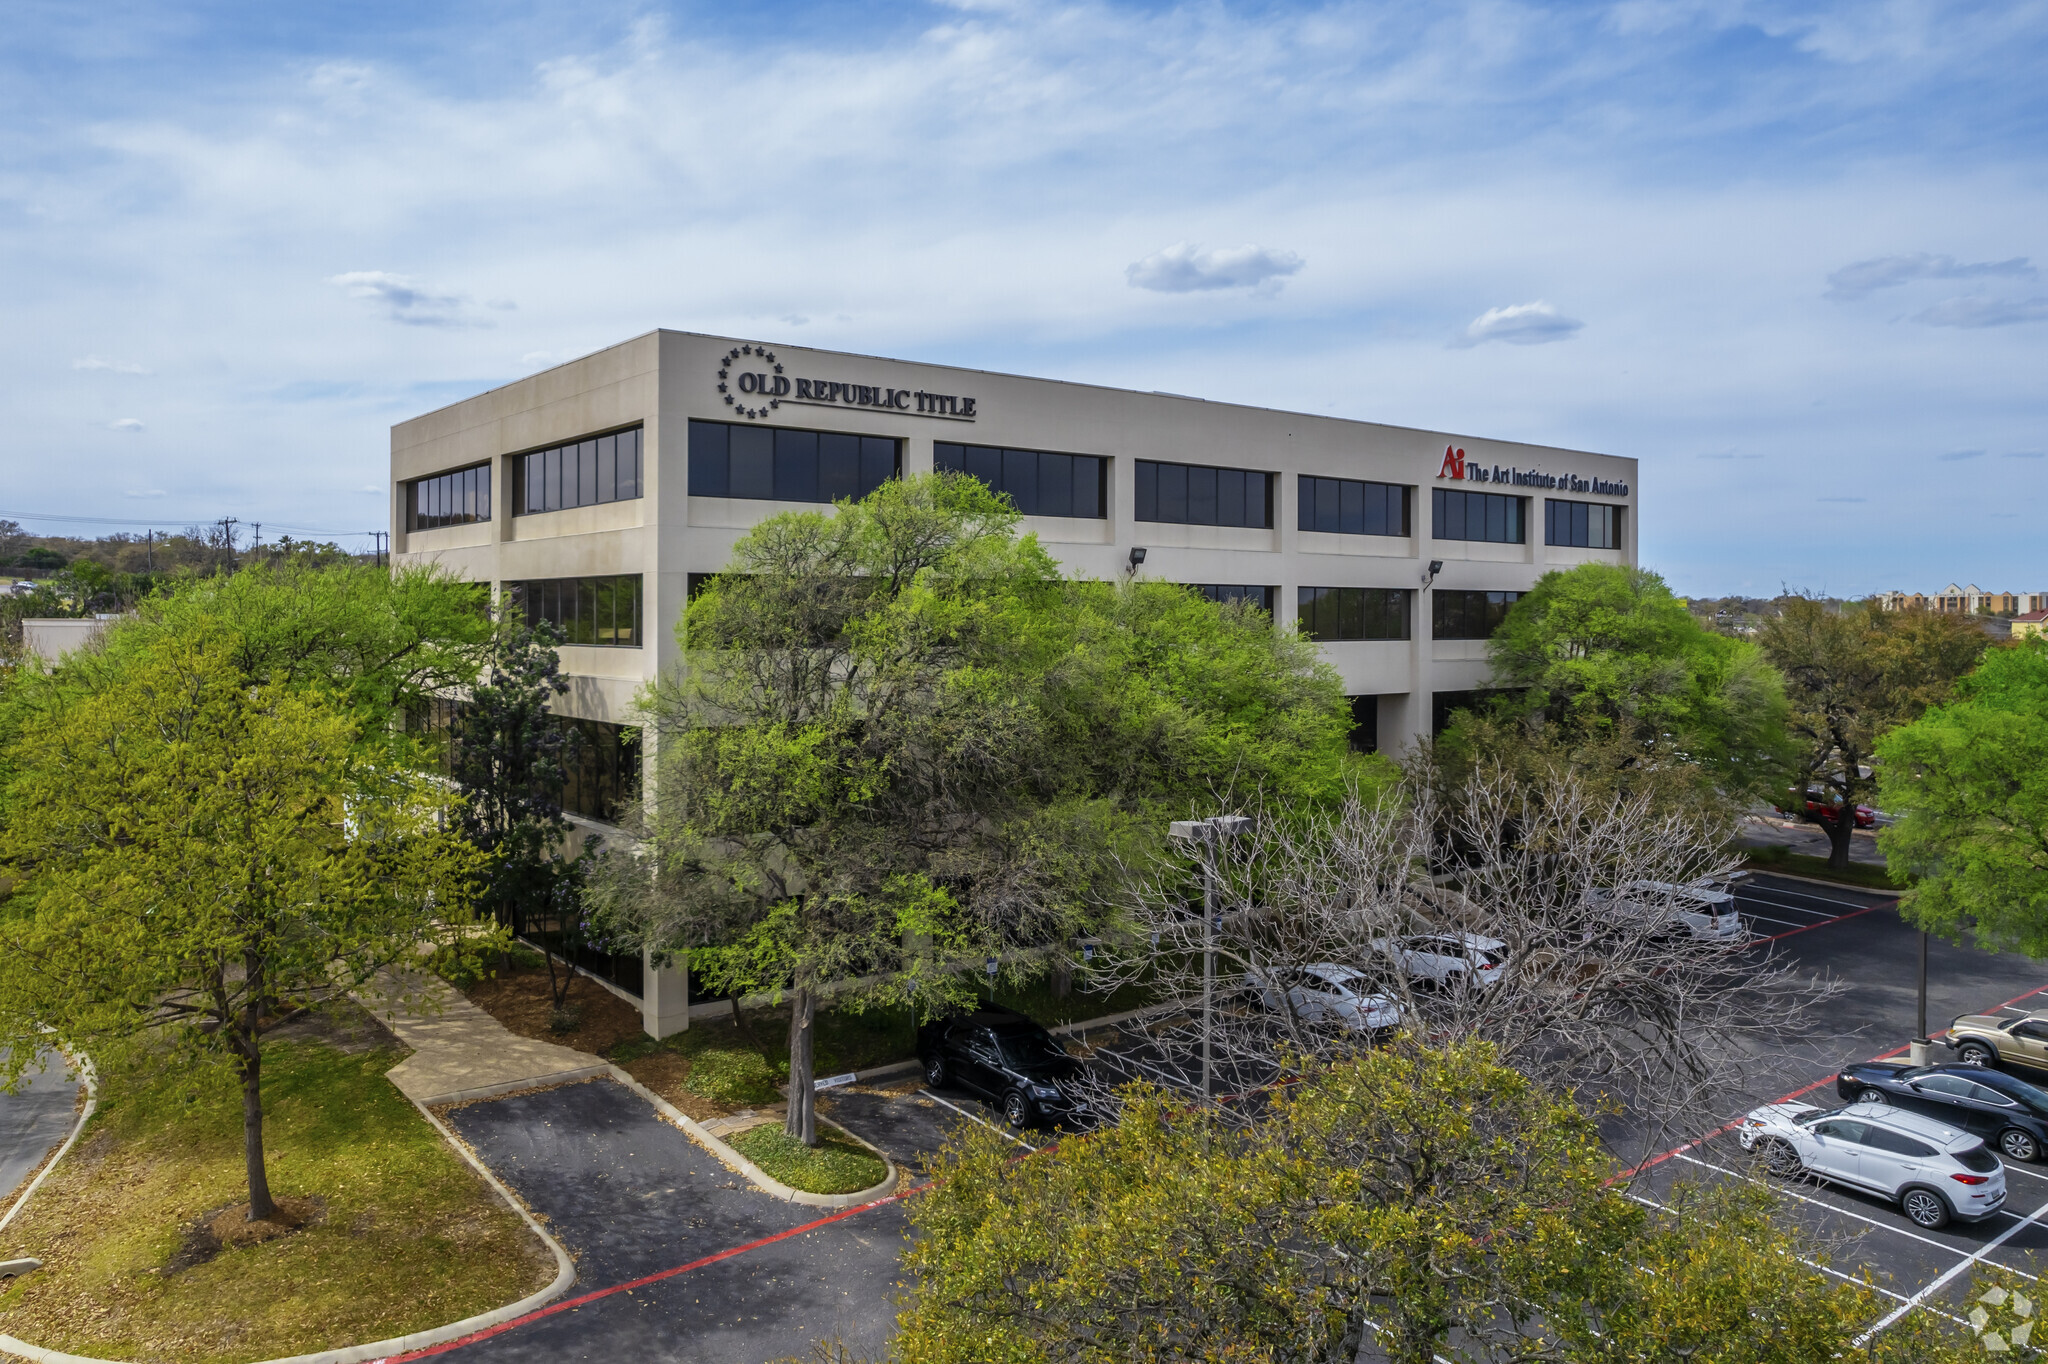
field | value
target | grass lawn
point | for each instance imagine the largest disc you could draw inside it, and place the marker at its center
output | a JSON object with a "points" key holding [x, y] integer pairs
{"points": [[405, 1236], [838, 1165], [1799, 864]]}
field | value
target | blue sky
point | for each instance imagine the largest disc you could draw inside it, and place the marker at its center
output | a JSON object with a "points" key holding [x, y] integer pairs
{"points": [[1790, 256]]}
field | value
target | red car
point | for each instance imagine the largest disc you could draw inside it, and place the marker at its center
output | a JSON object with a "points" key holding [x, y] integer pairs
{"points": [[1821, 810]]}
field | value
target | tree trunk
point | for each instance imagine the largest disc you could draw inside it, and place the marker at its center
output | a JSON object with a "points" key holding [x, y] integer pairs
{"points": [[739, 1022], [1840, 831], [802, 1122], [249, 1049]]}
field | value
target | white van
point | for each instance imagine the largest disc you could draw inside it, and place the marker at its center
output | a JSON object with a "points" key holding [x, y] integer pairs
{"points": [[1702, 912]]}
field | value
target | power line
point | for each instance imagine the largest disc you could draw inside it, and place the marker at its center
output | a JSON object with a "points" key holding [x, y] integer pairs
{"points": [[165, 521]]}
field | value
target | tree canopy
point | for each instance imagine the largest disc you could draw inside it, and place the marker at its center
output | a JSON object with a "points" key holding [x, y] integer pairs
{"points": [[1968, 781], [903, 744]]}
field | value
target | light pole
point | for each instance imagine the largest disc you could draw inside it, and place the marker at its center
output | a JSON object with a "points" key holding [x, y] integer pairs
{"points": [[1205, 834], [1920, 1039]]}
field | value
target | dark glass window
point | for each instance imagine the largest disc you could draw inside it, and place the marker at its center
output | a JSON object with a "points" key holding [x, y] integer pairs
{"points": [[1225, 593], [459, 498], [1328, 613], [1459, 614], [1039, 482], [604, 773], [580, 474], [1347, 506], [1365, 724], [1477, 516], [601, 612], [778, 464], [1198, 495], [1445, 704], [1586, 525]]}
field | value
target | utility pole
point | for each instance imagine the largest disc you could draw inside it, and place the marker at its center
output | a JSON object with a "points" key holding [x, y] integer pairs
{"points": [[1206, 834], [1921, 1041], [149, 552], [227, 541]]}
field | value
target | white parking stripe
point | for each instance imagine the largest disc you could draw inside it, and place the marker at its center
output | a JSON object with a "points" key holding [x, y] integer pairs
{"points": [[2013, 1169], [1782, 892], [1837, 1208], [1948, 1278], [1769, 902], [974, 1118], [1789, 923]]}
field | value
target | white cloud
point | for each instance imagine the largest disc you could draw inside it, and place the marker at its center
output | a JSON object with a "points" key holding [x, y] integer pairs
{"points": [[128, 424], [1886, 272], [1520, 324], [1984, 312], [95, 363], [406, 300], [145, 492], [1185, 267]]}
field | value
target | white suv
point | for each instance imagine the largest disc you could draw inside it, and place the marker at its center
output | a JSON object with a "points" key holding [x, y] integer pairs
{"points": [[1323, 993], [1443, 962], [1700, 911], [1933, 1171]]}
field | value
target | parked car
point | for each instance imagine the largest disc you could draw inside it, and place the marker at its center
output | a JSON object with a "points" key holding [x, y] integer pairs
{"points": [[1986, 1040], [1008, 1059], [1323, 993], [2008, 1113], [1442, 962], [1700, 912], [1820, 809], [1934, 1171]]}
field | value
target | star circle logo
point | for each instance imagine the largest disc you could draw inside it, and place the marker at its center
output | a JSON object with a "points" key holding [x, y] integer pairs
{"points": [[767, 384]]}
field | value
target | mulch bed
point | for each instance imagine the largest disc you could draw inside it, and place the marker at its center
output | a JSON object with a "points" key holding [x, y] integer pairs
{"points": [[521, 999]]}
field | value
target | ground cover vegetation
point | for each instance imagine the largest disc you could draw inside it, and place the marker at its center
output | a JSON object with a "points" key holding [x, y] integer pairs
{"points": [[211, 822], [904, 745], [145, 1255], [1414, 1204], [1969, 782], [837, 1164], [1852, 673]]}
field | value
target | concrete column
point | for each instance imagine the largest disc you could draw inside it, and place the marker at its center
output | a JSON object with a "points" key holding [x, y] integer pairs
{"points": [[665, 995]]}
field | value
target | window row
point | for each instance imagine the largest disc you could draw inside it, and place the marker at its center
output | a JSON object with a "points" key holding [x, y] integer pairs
{"points": [[1039, 482], [580, 474], [1497, 517], [452, 499], [1461, 614], [1347, 506], [1584, 525], [604, 612], [1223, 594], [1340, 613], [775, 464], [1198, 495]]}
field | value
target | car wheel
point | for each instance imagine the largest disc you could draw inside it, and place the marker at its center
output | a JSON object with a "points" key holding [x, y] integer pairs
{"points": [[1926, 1208], [1778, 1157], [1872, 1096], [2019, 1145], [1976, 1054], [1017, 1110], [935, 1071]]}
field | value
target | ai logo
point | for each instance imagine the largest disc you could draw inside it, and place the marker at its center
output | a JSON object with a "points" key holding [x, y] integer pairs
{"points": [[1453, 465]]}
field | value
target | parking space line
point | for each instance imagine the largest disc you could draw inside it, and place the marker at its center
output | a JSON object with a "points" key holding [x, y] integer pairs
{"points": [[1853, 914], [2013, 1169], [1754, 889], [1981, 1256], [1754, 917], [1834, 1207], [983, 1121]]}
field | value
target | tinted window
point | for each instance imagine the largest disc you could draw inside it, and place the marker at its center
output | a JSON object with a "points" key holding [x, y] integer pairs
{"points": [[1842, 1129], [580, 474], [2032, 1030], [1976, 1158], [2033, 1096], [1038, 482], [1349, 506], [777, 464], [599, 612], [1898, 1143], [1458, 515], [1460, 614], [1029, 1050], [1588, 525], [1201, 495], [1342, 613], [452, 499], [1225, 593], [1953, 1086]]}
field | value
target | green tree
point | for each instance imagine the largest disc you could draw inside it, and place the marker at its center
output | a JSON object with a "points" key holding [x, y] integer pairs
{"points": [[1852, 673], [1969, 784], [904, 746], [198, 853], [512, 762], [1424, 1204], [1606, 660]]}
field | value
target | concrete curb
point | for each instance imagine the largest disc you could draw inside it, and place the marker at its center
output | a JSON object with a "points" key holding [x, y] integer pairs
{"points": [[565, 1275], [92, 1101], [753, 1173]]}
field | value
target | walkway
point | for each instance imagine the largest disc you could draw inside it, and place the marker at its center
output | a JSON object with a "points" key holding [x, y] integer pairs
{"points": [[459, 1051], [32, 1122]]}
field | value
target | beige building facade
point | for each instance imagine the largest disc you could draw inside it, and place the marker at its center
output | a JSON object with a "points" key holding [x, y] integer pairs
{"points": [[1349, 520]]}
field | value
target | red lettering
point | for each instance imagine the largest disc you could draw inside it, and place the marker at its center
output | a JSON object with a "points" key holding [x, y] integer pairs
{"points": [[1453, 465]]}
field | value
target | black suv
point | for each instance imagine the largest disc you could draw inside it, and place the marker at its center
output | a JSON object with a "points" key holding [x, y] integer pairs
{"points": [[2006, 1111], [1008, 1058]]}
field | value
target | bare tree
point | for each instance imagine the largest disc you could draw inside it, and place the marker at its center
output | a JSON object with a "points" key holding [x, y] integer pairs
{"points": [[1606, 993]]}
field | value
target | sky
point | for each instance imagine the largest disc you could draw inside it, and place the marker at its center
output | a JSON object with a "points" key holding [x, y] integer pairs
{"points": [[1789, 256]]}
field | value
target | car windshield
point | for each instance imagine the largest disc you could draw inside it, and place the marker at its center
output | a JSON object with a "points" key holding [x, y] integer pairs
{"points": [[1028, 1050]]}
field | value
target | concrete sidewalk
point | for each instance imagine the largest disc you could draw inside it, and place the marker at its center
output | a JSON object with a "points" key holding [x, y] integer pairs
{"points": [[459, 1051]]}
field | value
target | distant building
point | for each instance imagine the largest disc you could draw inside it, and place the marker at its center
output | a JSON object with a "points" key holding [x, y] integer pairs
{"points": [[1972, 600], [2031, 624]]}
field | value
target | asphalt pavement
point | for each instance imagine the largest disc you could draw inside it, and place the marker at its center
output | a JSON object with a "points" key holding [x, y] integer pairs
{"points": [[32, 1122]]}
